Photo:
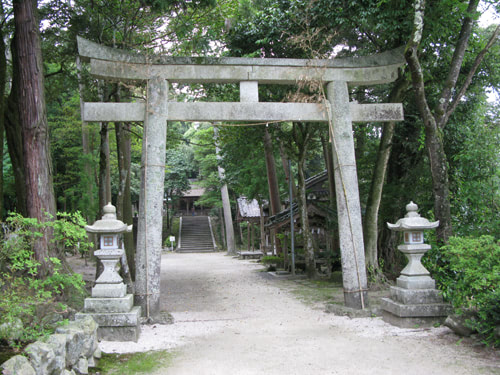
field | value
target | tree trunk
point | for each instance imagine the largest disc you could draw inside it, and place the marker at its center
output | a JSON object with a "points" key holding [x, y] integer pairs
{"points": [[104, 180], [124, 200], [274, 194], [248, 236], [33, 119], [222, 229], [15, 138], [435, 121], [262, 231], [3, 73], [302, 136], [272, 181], [87, 163], [370, 222], [284, 161], [226, 205], [330, 228], [304, 221]]}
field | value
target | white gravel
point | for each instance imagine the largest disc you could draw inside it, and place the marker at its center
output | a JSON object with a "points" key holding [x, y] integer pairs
{"points": [[230, 319]]}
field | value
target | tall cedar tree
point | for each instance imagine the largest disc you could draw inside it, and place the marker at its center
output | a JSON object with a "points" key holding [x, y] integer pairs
{"points": [[33, 120]]}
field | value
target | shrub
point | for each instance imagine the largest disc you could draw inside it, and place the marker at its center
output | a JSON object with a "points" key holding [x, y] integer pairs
{"points": [[272, 262], [467, 270], [26, 296]]}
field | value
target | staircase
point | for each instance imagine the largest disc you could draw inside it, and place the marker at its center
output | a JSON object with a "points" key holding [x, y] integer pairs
{"points": [[196, 235]]}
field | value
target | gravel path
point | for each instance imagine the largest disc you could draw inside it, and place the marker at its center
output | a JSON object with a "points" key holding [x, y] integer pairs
{"points": [[232, 319]]}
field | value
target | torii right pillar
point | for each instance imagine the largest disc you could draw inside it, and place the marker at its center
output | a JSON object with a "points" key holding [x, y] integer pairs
{"points": [[348, 204]]}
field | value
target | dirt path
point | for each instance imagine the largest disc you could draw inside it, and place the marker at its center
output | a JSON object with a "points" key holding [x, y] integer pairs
{"points": [[232, 319]]}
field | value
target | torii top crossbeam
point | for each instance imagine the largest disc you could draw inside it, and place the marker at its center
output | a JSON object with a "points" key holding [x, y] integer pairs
{"points": [[110, 63]]}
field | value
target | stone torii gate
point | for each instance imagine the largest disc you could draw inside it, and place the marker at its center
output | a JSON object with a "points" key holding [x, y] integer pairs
{"points": [[338, 111]]}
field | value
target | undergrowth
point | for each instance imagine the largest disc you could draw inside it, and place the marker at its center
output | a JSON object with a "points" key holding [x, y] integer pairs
{"points": [[467, 270], [133, 363], [32, 305]]}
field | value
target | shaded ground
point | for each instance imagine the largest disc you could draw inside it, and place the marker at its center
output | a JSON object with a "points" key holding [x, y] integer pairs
{"points": [[231, 318]]}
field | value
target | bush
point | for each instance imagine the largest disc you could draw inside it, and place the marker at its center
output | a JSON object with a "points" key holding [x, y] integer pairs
{"points": [[467, 270], [272, 262], [25, 295]]}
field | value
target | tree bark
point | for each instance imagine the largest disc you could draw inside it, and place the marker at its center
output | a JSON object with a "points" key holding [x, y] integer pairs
{"points": [[370, 222], [104, 178], [272, 181], [302, 136], [284, 161], [15, 138], [124, 200], [274, 194], [3, 74], [33, 119], [87, 163], [262, 231], [226, 205], [328, 156]]}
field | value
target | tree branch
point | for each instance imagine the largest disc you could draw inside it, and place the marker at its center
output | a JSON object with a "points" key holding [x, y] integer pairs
{"points": [[456, 63], [411, 56], [479, 59]]}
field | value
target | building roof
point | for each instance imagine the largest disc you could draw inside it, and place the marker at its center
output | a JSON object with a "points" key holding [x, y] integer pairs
{"points": [[248, 208], [194, 192], [317, 178]]}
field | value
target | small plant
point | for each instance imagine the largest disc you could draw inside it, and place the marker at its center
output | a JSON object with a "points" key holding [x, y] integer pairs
{"points": [[272, 262]]}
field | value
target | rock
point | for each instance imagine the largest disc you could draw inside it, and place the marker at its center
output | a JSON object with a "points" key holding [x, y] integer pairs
{"points": [[98, 353], [91, 361], [58, 344], [82, 366], [81, 339], [74, 342], [89, 327], [42, 358], [11, 331], [457, 324], [17, 365]]}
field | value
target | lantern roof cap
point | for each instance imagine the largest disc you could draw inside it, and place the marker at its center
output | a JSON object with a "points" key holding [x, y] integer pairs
{"points": [[109, 223], [412, 220]]}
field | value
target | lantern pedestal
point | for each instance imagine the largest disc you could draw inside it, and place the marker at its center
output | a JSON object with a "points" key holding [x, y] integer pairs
{"points": [[415, 301], [110, 305]]}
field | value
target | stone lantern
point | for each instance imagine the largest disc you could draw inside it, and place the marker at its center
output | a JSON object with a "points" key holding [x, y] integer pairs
{"points": [[109, 230], [110, 305], [414, 301]]}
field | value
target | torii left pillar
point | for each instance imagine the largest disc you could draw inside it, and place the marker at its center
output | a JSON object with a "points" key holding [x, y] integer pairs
{"points": [[148, 254]]}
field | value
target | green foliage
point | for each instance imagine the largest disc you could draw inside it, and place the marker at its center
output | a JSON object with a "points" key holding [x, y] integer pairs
{"points": [[133, 363], [467, 270], [474, 143], [179, 167], [25, 295], [272, 262]]}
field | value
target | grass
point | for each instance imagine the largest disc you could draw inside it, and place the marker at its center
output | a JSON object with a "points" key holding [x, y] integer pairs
{"points": [[133, 363], [312, 292]]}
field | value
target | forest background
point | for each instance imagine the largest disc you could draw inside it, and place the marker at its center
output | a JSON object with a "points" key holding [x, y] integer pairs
{"points": [[444, 155]]}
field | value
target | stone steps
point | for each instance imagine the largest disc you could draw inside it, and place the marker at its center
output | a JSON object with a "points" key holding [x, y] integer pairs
{"points": [[196, 236]]}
